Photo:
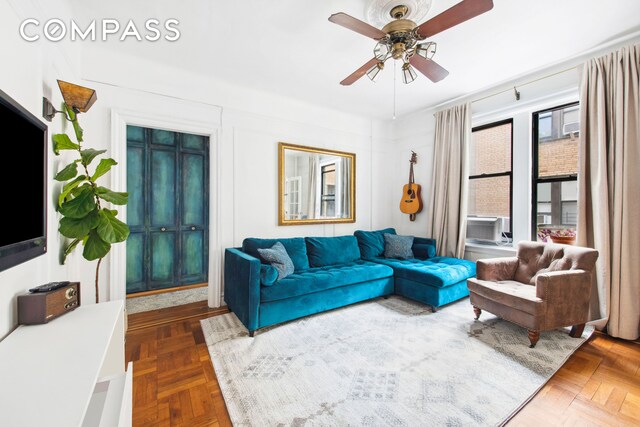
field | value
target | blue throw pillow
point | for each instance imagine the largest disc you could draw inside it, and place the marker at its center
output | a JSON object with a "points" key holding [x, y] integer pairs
{"points": [[423, 250], [398, 246], [371, 243], [268, 275], [278, 257], [332, 250]]}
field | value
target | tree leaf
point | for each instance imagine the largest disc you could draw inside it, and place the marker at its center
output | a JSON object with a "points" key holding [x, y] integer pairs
{"points": [[103, 167], [112, 196], [68, 188], [81, 205], [62, 142], [67, 173], [68, 250], [74, 121], [89, 154], [110, 228], [77, 228], [95, 247]]}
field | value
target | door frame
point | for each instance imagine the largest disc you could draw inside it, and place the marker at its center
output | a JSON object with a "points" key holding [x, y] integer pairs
{"points": [[120, 118]]}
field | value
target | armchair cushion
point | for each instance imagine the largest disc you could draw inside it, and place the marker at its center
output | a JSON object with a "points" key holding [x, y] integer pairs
{"points": [[324, 251], [508, 293]]}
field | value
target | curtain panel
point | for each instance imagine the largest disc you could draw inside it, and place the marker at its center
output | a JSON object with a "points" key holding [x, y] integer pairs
{"points": [[448, 200], [609, 186]]}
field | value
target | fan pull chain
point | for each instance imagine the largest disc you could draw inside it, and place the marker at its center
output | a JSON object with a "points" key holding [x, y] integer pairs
{"points": [[394, 89]]}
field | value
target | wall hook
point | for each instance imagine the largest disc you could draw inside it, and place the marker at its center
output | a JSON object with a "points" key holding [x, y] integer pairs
{"points": [[516, 93]]}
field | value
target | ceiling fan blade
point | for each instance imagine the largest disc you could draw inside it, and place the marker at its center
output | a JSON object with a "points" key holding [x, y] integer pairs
{"points": [[357, 25], [429, 68], [359, 72], [453, 16]]}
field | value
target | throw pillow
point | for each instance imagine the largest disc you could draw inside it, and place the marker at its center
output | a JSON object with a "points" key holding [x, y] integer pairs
{"points": [[268, 275], [398, 246], [278, 257]]}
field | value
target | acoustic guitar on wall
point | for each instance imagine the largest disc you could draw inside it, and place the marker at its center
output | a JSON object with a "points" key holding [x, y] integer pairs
{"points": [[411, 203]]}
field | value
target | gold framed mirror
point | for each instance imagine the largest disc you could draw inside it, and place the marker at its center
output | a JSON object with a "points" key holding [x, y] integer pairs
{"points": [[315, 185]]}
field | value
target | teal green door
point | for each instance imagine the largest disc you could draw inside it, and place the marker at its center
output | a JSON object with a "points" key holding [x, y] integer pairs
{"points": [[168, 209]]}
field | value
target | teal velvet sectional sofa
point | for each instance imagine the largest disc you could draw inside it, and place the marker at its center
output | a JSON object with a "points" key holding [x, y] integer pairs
{"points": [[331, 272]]}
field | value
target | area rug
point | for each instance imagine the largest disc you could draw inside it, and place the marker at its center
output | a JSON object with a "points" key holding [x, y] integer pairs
{"points": [[385, 362]]}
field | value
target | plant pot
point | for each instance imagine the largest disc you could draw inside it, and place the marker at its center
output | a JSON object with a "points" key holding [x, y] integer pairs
{"points": [[564, 240]]}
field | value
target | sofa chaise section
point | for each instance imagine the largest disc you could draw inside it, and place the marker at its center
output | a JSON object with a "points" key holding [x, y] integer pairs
{"points": [[435, 281]]}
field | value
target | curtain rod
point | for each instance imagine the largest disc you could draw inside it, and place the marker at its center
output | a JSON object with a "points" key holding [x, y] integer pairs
{"points": [[524, 84]]}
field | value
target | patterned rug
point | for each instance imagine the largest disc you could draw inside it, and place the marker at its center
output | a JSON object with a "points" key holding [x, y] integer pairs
{"points": [[382, 363]]}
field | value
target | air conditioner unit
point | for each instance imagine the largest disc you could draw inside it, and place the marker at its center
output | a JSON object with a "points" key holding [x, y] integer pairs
{"points": [[483, 229], [569, 128]]}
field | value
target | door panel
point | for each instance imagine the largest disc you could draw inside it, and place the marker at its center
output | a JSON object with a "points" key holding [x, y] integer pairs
{"points": [[168, 210], [135, 182], [163, 188], [135, 263], [193, 255], [163, 137], [193, 189], [163, 252]]}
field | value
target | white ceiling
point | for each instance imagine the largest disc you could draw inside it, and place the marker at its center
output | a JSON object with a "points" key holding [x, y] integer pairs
{"points": [[290, 48]]}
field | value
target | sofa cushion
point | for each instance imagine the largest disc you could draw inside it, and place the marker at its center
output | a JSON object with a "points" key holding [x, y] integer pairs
{"points": [[325, 251], [509, 293], [296, 248], [438, 272], [322, 278], [268, 275], [398, 246], [371, 243]]}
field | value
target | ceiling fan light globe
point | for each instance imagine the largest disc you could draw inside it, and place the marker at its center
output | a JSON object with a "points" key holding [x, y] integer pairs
{"points": [[381, 51], [426, 50], [374, 71], [408, 73]]}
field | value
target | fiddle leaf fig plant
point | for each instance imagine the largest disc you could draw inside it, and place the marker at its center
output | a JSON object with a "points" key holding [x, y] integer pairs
{"points": [[84, 218]]}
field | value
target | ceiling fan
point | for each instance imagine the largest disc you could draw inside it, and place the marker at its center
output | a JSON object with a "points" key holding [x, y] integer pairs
{"points": [[400, 38]]}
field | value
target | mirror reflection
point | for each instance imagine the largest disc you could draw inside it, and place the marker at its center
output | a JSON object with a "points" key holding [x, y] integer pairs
{"points": [[316, 185]]}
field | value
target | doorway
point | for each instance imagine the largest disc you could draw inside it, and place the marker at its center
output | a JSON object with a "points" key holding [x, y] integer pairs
{"points": [[168, 212]]}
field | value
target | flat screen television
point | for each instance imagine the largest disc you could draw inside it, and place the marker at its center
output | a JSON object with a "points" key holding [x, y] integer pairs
{"points": [[23, 210]]}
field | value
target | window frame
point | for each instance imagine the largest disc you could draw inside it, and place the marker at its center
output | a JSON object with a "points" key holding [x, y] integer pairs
{"points": [[324, 197], [499, 174], [535, 178]]}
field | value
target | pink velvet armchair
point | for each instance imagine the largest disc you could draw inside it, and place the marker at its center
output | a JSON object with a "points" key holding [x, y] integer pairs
{"points": [[546, 286]]}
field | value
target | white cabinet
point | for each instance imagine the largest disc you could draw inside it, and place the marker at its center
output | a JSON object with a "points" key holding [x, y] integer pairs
{"points": [[69, 372]]}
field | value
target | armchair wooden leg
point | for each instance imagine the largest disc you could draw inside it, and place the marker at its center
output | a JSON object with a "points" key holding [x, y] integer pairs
{"points": [[477, 312], [577, 330], [534, 336]]}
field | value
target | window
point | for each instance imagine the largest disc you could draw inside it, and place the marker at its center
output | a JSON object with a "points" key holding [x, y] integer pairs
{"points": [[328, 186], [555, 172], [489, 198]]}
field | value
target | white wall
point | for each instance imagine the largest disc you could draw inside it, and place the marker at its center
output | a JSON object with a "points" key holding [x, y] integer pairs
{"points": [[29, 72]]}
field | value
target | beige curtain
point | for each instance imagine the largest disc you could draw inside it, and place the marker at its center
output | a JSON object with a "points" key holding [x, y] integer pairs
{"points": [[448, 201], [609, 186]]}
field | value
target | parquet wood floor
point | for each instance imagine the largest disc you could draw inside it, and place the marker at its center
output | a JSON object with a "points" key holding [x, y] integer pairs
{"points": [[174, 382]]}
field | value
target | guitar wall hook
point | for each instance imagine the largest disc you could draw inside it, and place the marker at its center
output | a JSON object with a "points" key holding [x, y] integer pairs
{"points": [[411, 203]]}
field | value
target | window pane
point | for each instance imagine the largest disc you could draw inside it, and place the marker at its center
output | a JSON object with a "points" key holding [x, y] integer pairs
{"points": [[557, 209], [558, 142], [490, 198], [490, 150]]}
